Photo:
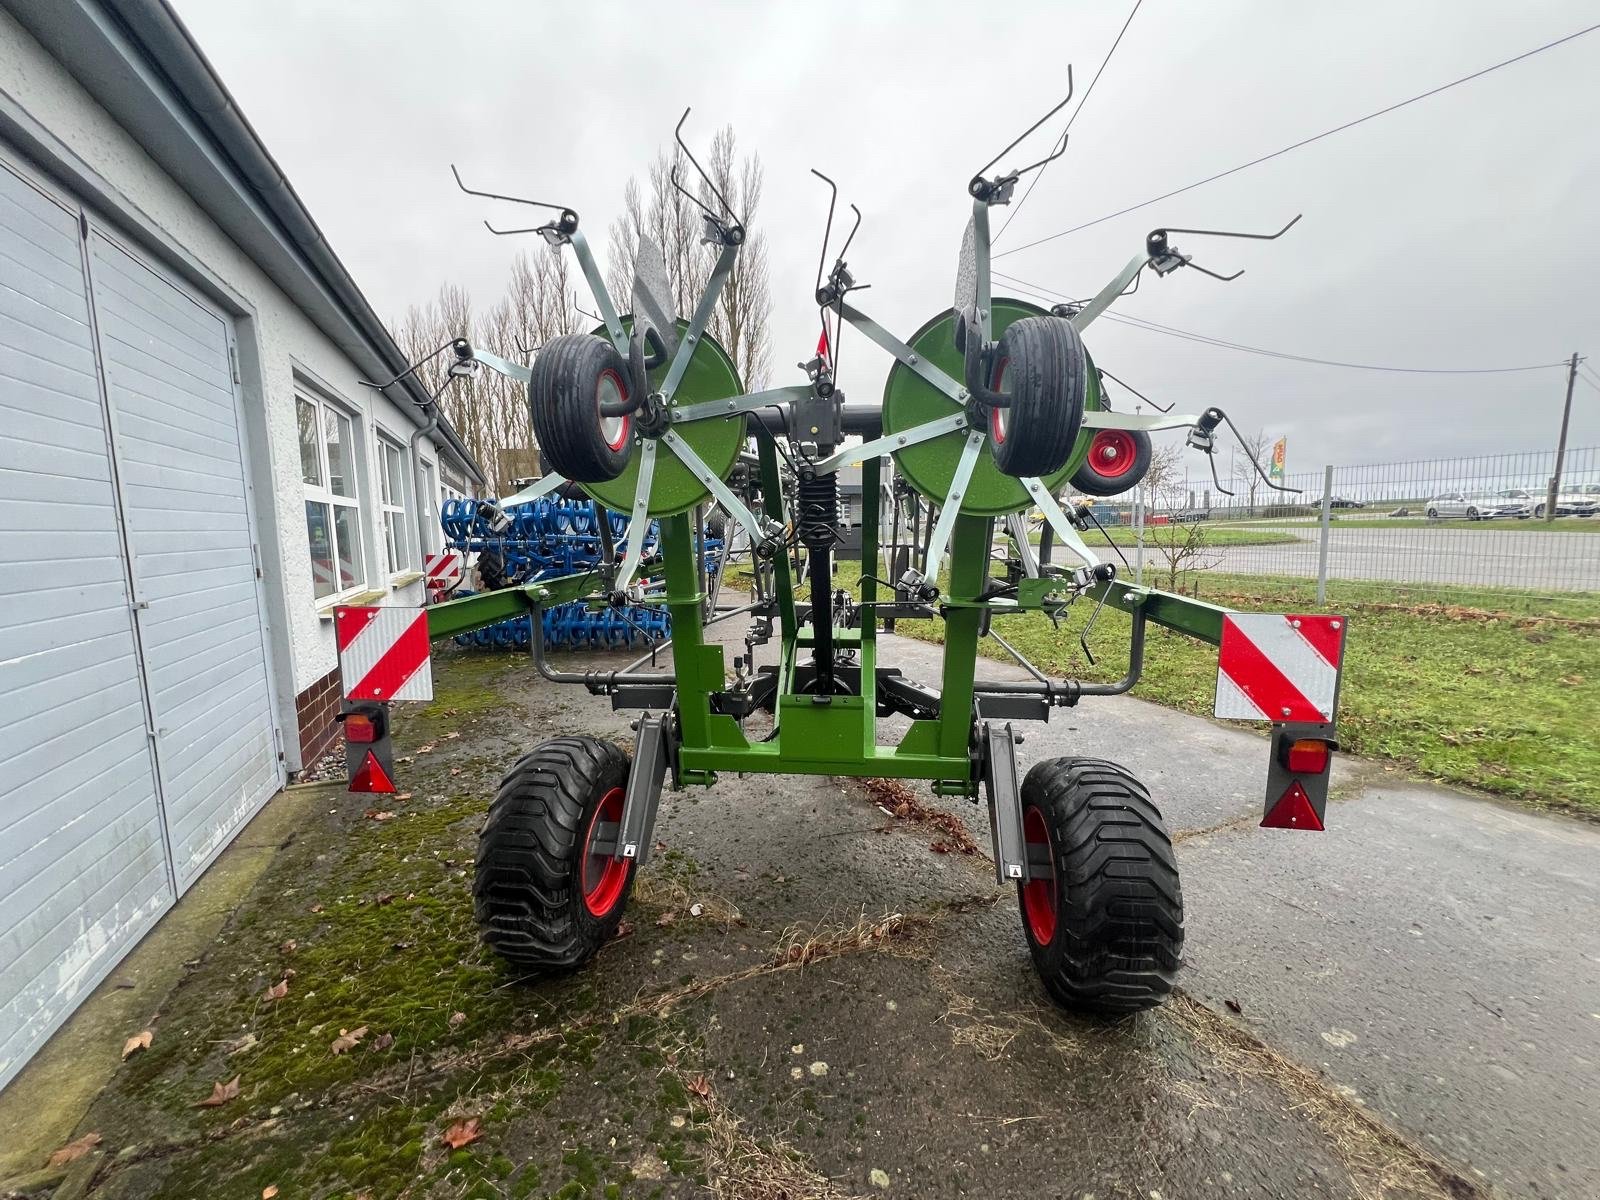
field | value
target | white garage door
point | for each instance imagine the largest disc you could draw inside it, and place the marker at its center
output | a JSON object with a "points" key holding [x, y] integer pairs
{"points": [[169, 378], [136, 733]]}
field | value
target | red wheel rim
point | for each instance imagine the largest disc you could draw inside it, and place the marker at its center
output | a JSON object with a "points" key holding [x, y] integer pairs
{"points": [[603, 876], [1112, 453], [613, 429], [1039, 893], [997, 416]]}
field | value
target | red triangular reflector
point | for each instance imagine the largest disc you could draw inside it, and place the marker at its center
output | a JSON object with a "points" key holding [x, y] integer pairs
{"points": [[372, 777], [1293, 811], [822, 345]]}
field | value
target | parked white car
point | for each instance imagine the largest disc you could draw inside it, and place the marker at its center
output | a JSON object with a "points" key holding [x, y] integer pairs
{"points": [[1480, 506], [1582, 500]]}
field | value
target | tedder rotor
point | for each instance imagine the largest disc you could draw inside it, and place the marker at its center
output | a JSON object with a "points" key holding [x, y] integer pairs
{"points": [[992, 410]]}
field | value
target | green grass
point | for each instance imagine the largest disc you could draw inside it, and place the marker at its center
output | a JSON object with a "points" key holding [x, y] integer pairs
{"points": [[1346, 521], [1215, 535], [1502, 694]]}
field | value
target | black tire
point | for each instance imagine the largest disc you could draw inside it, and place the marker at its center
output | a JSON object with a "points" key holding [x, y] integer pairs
{"points": [[717, 524], [1472, 514], [571, 376], [1040, 362], [492, 571], [1106, 928], [1118, 460], [542, 903], [1433, 514]]}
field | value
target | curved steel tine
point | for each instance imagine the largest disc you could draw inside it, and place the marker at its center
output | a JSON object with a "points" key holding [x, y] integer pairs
{"points": [[1136, 391], [1032, 127], [498, 196], [845, 249], [1212, 459], [677, 134], [1264, 477], [672, 178], [1229, 233], [1213, 274], [827, 230], [509, 232]]}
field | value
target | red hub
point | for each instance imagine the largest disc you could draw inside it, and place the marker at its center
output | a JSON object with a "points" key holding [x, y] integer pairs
{"points": [[610, 389], [603, 876], [997, 416], [1112, 453], [1039, 893]]}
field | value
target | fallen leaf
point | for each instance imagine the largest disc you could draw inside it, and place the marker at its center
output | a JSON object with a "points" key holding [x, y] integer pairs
{"points": [[660, 845], [75, 1150], [379, 814], [290, 946], [666, 918], [348, 1040], [428, 749], [450, 737], [221, 1093], [403, 796], [383, 1041], [247, 1042], [624, 929], [463, 1133], [940, 847], [1234, 1006], [700, 1086], [277, 991], [696, 909], [138, 1042], [455, 770], [268, 1192], [456, 1018], [383, 898], [316, 908]]}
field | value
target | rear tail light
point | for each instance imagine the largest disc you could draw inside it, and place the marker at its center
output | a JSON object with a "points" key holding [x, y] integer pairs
{"points": [[1306, 756], [359, 729]]}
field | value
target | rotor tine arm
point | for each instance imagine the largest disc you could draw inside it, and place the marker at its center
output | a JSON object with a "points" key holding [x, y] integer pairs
{"points": [[951, 506], [904, 353], [718, 488], [702, 317], [638, 517], [1106, 295], [1065, 531], [597, 287]]}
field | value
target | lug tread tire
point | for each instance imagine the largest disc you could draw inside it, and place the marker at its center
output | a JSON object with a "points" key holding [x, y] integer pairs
{"points": [[1119, 925], [1089, 482], [527, 885], [562, 400], [1047, 375]]}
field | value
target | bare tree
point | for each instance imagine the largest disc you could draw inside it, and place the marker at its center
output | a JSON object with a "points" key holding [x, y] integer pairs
{"points": [[1179, 542], [740, 320], [489, 411], [1258, 449]]}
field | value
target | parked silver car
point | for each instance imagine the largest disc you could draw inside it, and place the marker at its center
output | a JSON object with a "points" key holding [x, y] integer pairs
{"points": [[1581, 500], [1480, 506]]}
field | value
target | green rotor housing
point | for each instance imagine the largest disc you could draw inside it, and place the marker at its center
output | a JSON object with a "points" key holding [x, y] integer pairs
{"points": [[909, 401], [673, 489]]}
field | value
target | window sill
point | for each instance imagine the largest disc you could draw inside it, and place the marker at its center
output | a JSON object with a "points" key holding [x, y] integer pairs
{"points": [[404, 579], [325, 609]]}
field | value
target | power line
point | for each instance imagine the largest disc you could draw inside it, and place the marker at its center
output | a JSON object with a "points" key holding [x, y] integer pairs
{"points": [[1103, 62], [1223, 343], [1444, 87]]}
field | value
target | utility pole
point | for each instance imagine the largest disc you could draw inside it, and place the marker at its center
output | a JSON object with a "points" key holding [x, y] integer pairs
{"points": [[1561, 442]]}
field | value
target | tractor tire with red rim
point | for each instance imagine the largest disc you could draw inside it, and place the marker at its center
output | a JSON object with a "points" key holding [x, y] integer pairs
{"points": [[1104, 918], [1039, 362], [573, 375], [546, 899], [1118, 460]]}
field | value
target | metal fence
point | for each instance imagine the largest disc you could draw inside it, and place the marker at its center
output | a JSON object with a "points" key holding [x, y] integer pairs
{"points": [[1445, 529]]}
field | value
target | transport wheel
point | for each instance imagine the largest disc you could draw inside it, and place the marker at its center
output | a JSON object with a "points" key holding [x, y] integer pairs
{"points": [[1118, 460], [573, 376], [544, 898], [1040, 362], [1105, 920]]}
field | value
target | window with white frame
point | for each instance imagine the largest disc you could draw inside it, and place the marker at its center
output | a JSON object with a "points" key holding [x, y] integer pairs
{"points": [[333, 506], [396, 525]]}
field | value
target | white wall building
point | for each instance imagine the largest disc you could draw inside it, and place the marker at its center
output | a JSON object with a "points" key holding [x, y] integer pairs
{"points": [[191, 476]]}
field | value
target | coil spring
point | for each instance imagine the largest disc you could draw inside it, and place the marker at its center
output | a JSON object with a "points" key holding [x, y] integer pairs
{"points": [[818, 504]]}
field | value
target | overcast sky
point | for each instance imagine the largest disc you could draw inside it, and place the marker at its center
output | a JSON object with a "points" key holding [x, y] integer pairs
{"points": [[1458, 232]]}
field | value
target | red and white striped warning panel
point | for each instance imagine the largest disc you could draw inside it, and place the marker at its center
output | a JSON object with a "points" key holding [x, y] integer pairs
{"points": [[1273, 667], [442, 569], [383, 653]]}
